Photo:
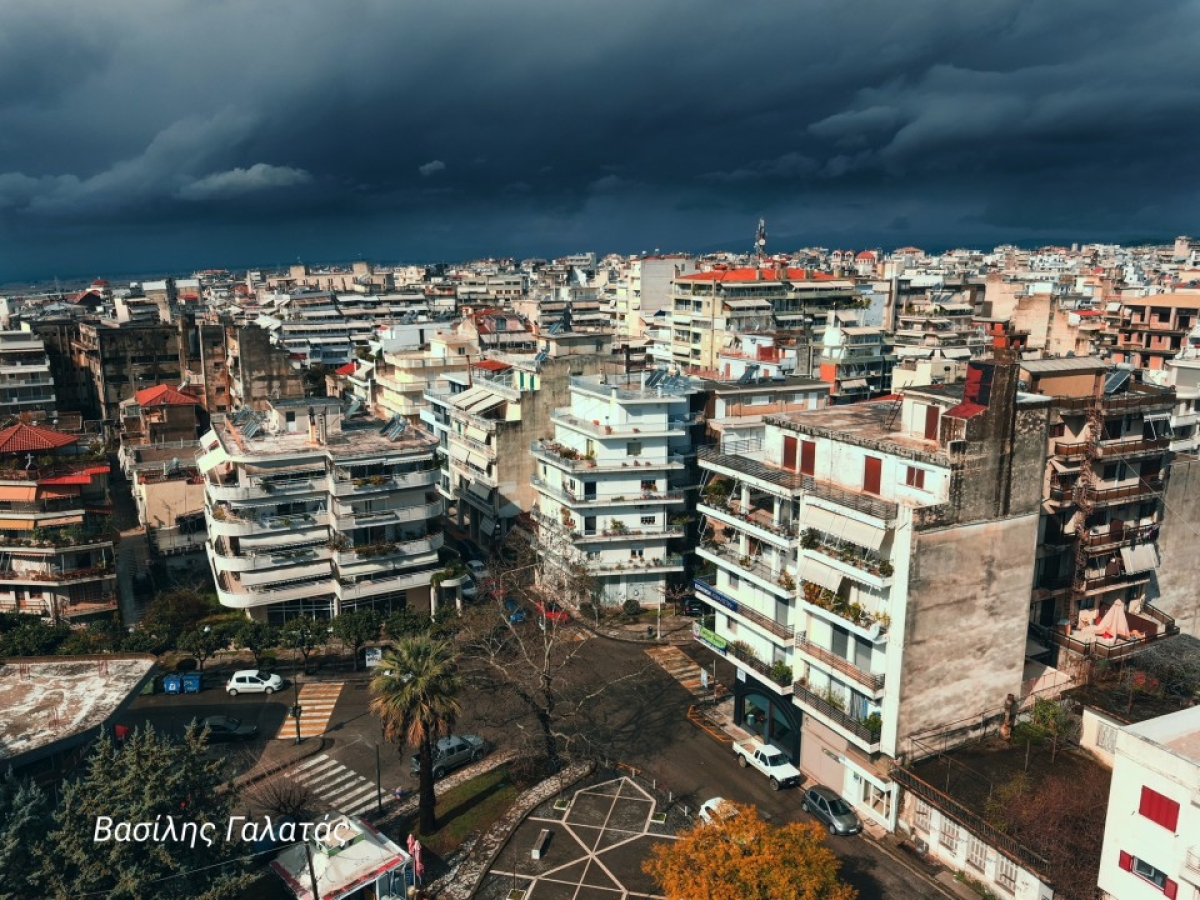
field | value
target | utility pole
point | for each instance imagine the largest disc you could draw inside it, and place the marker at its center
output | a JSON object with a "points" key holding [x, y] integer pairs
{"points": [[312, 872]]}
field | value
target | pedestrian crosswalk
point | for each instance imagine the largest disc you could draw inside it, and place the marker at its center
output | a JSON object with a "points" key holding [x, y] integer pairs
{"points": [[317, 701], [340, 788], [680, 667]]}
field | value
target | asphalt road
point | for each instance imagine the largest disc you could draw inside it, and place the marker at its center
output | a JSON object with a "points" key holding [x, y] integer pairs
{"points": [[639, 721]]}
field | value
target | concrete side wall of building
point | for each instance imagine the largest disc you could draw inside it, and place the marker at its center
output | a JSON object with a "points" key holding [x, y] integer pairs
{"points": [[965, 622], [1177, 580], [264, 371]]}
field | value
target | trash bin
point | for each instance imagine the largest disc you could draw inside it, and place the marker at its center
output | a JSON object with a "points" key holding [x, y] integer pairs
{"points": [[191, 683], [172, 684]]}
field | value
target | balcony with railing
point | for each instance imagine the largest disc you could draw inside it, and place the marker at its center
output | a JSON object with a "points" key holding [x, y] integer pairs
{"points": [[634, 496], [781, 678], [756, 522], [1099, 495], [861, 734], [830, 660], [1098, 540], [371, 518], [346, 486], [1128, 447], [672, 427], [387, 551], [636, 565], [737, 459], [705, 589], [772, 576], [568, 458], [374, 587], [1116, 404]]}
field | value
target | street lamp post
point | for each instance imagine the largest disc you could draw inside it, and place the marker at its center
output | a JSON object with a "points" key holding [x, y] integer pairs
{"points": [[296, 696]]}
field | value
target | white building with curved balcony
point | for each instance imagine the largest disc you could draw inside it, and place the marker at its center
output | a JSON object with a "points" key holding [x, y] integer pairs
{"points": [[611, 484], [313, 513]]}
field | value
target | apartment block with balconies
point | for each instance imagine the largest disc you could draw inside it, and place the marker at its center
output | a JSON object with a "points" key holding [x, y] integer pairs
{"points": [[56, 544], [1107, 461], [612, 484], [312, 512], [868, 566], [1151, 330], [25, 380]]}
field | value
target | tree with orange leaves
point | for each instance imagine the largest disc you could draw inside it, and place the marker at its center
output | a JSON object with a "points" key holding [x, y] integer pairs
{"points": [[739, 855]]}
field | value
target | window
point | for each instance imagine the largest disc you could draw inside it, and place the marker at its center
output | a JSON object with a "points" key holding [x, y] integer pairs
{"points": [[1159, 809], [649, 520], [915, 477], [649, 485], [633, 448], [949, 836], [872, 475], [921, 815], [1006, 874], [1143, 869], [932, 416], [976, 852]]}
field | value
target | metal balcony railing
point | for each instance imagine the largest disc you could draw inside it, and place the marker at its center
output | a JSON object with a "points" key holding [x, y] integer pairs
{"points": [[838, 717], [844, 666]]}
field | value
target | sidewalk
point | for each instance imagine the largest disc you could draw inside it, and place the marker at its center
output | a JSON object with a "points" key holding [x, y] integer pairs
{"points": [[720, 716]]}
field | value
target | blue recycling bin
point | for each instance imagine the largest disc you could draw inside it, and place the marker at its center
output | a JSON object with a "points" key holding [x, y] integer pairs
{"points": [[191, 683], [172, 684]]}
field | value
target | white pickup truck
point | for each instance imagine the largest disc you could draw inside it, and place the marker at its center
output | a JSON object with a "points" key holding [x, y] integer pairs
{"points": [[771, 761]]}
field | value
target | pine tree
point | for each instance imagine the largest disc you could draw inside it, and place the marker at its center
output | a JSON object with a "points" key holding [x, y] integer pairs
{"points": [[24, 820], [146, 780]]}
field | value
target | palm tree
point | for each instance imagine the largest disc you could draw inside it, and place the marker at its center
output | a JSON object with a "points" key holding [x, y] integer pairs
{"points": [[415, 696]]}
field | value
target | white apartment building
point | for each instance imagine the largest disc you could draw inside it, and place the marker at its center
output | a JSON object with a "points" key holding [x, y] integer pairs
{"points": [[1152, 831], [310, 512], [855, 553], [610, 483], [25, 381]]}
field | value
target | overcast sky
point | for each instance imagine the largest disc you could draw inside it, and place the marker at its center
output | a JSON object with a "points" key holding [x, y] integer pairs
{"points": [[138, 136]]}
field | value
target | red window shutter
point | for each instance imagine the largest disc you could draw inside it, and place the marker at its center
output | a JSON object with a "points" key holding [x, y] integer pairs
{"points": [[1159, 809], [808, 457], [872, 475], [1170, 889], [1126, 861], [789, 454]]}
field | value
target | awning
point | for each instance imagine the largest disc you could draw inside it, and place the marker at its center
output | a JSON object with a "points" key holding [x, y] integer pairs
{"points": [[482, 491], [1062, 467], [843, 527], [1141, 558], [854, 383], [477, 434], [819, 573], [1113, 307]]}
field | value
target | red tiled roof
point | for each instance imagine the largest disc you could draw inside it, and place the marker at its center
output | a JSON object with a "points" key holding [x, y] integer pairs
{"points": [[965, 410], [492, 365], [79, 476], [866, 254], [164, 395], [22, 438], [347, 369], [747, 273]]}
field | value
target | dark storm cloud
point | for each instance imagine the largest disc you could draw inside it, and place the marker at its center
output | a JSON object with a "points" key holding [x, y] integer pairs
{"points": [[407, 129]]}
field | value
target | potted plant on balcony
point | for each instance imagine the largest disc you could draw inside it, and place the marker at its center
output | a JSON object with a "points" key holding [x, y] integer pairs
{"points": [[617, 526], [781, 672], [809, 539], [886, 570], [873, 723], [787, 582]]}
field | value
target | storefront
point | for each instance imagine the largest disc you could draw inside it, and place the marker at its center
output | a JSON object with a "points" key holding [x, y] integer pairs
{"points": [[764, 713]]}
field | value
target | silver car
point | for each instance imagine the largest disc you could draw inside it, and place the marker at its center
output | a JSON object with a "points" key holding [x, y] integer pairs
{"points": [[451, 752], [831, 809]]}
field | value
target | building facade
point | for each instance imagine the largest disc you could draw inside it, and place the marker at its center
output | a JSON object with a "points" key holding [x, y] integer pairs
{"points": [[867, 565], [310, 512]]}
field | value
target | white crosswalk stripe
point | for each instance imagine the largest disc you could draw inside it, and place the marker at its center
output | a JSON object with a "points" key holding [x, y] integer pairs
{"points": [[339, 787]]}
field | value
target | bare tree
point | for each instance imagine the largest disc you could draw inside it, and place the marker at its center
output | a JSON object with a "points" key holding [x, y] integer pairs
{"points": [[518, 642], [279, 795]]}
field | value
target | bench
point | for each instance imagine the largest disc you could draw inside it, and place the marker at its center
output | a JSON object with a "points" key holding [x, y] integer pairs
{"points": [[539, 846]]}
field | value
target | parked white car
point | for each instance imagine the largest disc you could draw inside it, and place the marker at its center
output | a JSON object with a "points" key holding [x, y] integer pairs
{"points": [[253, 681], [479, 570], [712, 811]]}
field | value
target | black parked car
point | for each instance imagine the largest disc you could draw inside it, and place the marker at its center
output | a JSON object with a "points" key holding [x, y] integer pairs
{"points": [[227, 728], [695, 607]]}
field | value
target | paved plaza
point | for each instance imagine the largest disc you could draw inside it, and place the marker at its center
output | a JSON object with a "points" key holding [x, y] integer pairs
{"points": [[599, 836]]}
